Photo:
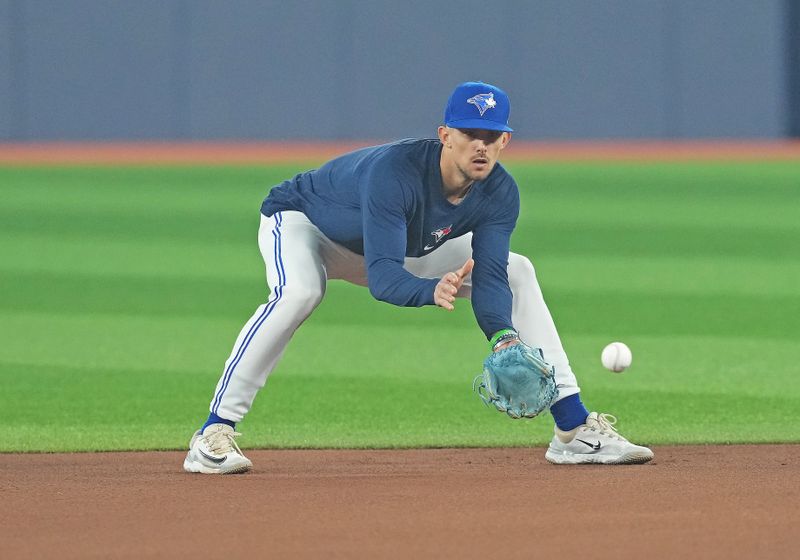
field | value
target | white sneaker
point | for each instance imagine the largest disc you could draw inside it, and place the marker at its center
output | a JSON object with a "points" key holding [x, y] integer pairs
{"points": [[215, 452], [596, 441]]}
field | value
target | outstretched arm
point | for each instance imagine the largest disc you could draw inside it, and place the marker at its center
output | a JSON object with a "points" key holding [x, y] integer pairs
{"points": [[491, 294]]}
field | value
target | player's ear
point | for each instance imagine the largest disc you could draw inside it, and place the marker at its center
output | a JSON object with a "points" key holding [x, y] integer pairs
{"points": [[505, 139], [444, 135]]}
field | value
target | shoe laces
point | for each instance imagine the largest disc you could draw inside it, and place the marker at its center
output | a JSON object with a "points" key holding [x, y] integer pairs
{"points": [[221, 442], [605, 425]]}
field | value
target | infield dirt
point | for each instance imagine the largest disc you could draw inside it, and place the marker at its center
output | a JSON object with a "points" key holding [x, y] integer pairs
{"points": [[691, 501]]}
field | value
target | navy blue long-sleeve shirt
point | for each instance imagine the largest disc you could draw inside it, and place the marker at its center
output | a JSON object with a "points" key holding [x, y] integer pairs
{"points": [[387, 203]]}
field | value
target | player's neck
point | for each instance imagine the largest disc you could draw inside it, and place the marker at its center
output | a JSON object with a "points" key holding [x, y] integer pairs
{"points": [[455, 185]]}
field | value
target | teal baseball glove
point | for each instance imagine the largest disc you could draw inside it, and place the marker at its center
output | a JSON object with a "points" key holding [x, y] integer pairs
{"points": [[517, 381]]}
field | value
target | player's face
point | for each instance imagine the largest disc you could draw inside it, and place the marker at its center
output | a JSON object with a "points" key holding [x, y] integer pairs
{"points": [[474, 151]]}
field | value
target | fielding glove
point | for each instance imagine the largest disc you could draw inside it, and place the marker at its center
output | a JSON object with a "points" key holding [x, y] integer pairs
{"points": [[517, 381]]}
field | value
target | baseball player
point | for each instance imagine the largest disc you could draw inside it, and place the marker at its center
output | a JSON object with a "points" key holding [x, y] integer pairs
{"points": [[418, 222]]}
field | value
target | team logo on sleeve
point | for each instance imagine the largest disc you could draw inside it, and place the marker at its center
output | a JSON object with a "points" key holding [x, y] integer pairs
{"points": [[483, 101], [438, 235]]}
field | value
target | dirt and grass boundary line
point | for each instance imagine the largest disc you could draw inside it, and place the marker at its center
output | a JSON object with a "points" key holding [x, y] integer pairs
{"points": [[268, 153]]}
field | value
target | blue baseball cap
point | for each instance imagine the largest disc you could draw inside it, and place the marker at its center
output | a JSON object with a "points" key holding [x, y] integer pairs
{"points": [[478, 105]]}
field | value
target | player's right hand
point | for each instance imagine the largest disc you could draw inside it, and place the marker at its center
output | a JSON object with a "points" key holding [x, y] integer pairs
{"points": [[445, 293]]}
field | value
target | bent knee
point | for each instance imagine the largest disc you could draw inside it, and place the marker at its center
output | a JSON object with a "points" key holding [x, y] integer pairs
{"points": [[301, 300], [520, 270]]}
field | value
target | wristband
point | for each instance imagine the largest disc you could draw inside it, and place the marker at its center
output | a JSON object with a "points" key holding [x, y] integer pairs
{"points": [[502, 337]]}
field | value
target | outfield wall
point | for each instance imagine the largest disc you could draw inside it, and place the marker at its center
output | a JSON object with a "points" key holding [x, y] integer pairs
{"points": [[350, 69]]}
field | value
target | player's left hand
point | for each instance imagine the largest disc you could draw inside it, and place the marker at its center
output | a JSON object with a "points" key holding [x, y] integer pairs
{"points": [[517, 381], [445, 292]]}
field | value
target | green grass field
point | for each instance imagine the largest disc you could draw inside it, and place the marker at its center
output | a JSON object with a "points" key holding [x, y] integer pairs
{"points": [[122, 291]]}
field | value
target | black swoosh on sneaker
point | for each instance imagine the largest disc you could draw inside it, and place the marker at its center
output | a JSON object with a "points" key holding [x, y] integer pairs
{"points": [[594, 446], [216, 460]]}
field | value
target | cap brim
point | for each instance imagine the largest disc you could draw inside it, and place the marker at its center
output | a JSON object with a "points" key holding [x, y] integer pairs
{"points": [[481, 124]]}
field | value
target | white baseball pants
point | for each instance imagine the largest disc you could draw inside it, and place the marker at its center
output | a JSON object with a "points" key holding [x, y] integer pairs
{"points": [[300, 260]]}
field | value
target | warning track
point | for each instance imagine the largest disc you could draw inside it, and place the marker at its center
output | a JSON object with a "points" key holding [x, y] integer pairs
{"points": [[267, 153]]}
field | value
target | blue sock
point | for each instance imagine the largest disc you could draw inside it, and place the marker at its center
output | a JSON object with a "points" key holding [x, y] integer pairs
{"points": [[214, 419], [569, 412]]}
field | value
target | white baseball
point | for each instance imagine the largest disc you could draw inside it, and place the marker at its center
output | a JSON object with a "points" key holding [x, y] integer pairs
{"points": [[616, 357]]}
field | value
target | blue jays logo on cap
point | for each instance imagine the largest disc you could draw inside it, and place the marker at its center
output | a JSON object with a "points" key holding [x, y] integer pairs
{"points": [[483, 101], [460, 111]]}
